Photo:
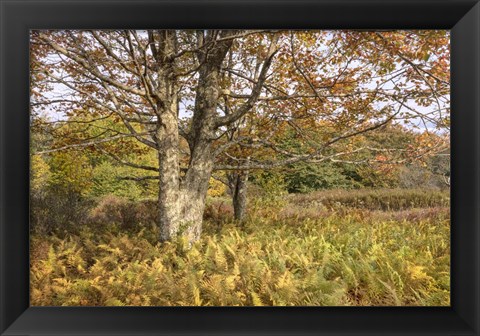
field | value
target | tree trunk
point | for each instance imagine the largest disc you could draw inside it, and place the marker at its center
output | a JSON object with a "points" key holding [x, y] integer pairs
{"points": [[182, 205], [167, 137], [194, 191], [168, 194], [238, 189], [195, 182]]}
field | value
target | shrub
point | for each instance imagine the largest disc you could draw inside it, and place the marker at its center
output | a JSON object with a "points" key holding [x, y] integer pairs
{"points": [[108, 180], [57, 211], [269, 196], [305, 177], [113, 210], [218, 212], [216, 188]]}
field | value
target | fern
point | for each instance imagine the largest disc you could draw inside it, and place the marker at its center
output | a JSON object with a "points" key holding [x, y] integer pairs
{"points": [[343, 257]]}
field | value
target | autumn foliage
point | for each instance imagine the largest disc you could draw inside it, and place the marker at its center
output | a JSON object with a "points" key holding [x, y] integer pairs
{"points": [[240, 167]]}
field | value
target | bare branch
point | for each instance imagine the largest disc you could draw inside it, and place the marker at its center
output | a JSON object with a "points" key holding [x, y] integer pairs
{"points": [[127, 163], [138, 179], [84, 63], [247, 106], [84, 144]]}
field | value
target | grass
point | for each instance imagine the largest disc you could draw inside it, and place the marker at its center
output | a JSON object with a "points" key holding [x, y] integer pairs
{"points": [[375, 199], [300, 252]]}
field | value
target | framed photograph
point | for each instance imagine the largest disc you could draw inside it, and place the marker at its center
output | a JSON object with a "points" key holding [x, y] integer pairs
{"points": [[169, 167]]}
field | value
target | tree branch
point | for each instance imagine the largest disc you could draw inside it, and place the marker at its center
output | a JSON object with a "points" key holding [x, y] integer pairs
{"points": [[247, 106], [84, 144]]}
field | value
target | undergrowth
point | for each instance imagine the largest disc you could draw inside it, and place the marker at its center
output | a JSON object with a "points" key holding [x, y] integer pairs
{"points": [[375, 199], [358, 257]]}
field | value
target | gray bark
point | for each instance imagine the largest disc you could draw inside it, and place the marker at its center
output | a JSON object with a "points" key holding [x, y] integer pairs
{"points": [[238, 188], [167, 138], [195, 182], [168, 194]]}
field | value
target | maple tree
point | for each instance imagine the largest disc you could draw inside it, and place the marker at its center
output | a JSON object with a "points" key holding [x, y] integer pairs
{"points": [[224, 100]]}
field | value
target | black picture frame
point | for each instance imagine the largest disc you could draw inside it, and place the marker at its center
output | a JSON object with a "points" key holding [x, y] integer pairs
{"points": [[17, 17]]}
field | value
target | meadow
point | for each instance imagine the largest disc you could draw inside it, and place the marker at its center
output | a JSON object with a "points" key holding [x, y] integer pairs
{"points": [[239, 168], [382, 247]]}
